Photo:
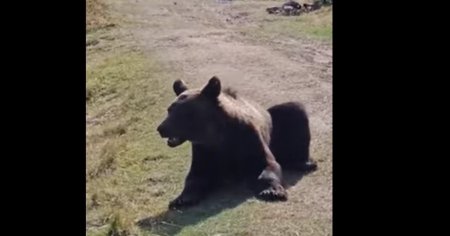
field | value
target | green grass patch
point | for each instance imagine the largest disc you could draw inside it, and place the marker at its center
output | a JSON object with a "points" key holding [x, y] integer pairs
{"points": [[314, 25], [130, 170]]}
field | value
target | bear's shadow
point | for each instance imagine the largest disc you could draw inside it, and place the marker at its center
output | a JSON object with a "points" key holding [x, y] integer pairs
{"points": [[172, 222]]}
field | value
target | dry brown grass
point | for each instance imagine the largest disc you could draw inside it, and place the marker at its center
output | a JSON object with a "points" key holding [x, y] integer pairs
{"points": [[97, 15]]}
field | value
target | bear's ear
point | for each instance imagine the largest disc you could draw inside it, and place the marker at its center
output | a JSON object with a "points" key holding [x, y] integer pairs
{"points": [[179, 86], [213, 88]]}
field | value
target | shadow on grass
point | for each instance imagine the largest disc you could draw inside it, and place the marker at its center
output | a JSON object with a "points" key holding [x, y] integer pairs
{"points": [[172, 222]]}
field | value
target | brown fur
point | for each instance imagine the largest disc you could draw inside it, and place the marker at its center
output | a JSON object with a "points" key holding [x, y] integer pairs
{"points": [[231, 138]]}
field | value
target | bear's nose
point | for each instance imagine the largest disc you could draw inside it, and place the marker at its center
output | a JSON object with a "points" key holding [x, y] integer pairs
{"points": [[161, 130]]}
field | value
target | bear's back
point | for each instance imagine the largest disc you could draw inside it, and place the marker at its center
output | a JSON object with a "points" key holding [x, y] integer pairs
{"points": [[246, 113]]}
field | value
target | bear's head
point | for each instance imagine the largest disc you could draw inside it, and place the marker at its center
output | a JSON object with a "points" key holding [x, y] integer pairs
{"points": [[193, 114]]}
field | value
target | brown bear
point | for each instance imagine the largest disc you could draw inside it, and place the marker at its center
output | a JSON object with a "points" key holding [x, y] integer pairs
{"points": [[235, 139]]}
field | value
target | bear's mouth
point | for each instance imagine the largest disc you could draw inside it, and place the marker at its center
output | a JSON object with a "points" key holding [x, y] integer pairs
{"points": [[175, 141]]}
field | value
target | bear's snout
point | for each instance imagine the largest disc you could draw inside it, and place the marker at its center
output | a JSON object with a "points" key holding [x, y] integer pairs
{"points": [[162, 130]]}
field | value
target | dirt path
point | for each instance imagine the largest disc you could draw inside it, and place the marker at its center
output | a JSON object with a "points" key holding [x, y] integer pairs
{"points": [[200, 39]]}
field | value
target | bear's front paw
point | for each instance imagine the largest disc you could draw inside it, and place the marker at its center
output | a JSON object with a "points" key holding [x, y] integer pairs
{"points": [[182, 201], [272, 193]]}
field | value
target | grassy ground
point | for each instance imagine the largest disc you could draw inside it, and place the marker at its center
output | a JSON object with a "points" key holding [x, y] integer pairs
{"points": [[131, 173], [128, 169], [96, 15], [316, 25]]}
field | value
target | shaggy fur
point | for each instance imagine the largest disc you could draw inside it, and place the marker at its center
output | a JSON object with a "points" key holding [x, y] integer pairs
{"points": [[235, 139]]}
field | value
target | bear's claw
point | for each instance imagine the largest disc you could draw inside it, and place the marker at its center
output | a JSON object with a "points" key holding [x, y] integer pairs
{"points": [[181, 201], [273, 194]]}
